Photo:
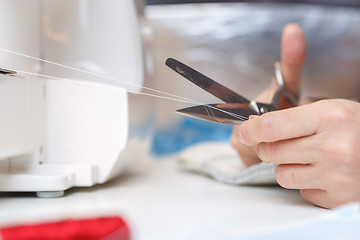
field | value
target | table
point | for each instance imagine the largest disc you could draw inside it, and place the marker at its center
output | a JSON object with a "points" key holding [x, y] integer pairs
{"points": [[160, 201]]}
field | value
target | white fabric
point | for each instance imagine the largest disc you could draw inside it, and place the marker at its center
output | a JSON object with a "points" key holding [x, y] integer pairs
{"points": [[221, 162]]}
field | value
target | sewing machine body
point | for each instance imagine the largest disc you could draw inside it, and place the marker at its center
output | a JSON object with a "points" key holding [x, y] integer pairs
{"points": [[59, 133]]}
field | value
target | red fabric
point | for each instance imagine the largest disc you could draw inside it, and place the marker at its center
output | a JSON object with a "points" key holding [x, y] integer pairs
{"points": [[109, 228]]}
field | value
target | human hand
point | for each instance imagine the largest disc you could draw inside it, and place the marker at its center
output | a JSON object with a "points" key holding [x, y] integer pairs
{"points": [[316, 147], [293, 54]]}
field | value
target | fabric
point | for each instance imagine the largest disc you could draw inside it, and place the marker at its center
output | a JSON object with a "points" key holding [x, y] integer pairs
{"points": [[187, 132], [106, 228], [221, 162]]}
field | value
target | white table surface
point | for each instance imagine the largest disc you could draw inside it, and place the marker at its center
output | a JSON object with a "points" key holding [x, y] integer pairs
{"points": [[160, 201]]}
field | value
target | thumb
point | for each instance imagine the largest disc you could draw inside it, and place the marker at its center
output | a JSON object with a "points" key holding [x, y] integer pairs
{"points": [[293, 54]]}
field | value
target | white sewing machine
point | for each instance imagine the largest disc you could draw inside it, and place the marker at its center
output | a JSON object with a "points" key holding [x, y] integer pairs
{"points": [[59, 133]]}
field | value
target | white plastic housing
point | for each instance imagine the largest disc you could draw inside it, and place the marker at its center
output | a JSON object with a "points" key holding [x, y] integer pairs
{"points": [[101, 37], [87, 125], [74, 130]]}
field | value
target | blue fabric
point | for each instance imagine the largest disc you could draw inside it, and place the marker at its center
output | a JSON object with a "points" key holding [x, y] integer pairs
{"points": [[186, 133]]}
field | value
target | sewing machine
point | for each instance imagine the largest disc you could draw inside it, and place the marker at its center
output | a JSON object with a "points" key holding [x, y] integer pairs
{"points": [[60, 127]]}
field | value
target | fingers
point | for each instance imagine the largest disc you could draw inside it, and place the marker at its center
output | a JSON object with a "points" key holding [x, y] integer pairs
{"points": [[318, 197], [298, 176], [280, 125], [293, 55], [313, 186], [293, 58], [295, 151], [247, 154], [323, 198]]}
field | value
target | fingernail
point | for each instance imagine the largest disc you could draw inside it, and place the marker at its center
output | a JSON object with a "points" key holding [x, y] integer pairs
{"points": [[241, 138], [253, 116]]}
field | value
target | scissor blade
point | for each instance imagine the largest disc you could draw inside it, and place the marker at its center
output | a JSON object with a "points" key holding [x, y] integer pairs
{"points": [[206, 83], [222, 113]]}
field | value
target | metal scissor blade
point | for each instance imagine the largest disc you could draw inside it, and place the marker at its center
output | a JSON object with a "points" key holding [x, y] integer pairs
{"points": [[222, 113], [206, 83]]}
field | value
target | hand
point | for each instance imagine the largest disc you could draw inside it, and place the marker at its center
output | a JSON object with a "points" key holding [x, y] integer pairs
{"points": [[316, 147], [293, 56]]}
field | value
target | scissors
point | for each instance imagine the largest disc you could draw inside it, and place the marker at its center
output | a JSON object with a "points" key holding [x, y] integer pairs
{"points": [[236, 109]]}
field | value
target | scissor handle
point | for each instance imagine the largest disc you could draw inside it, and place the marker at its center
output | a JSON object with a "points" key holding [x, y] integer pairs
{"points": [[282, 91]]}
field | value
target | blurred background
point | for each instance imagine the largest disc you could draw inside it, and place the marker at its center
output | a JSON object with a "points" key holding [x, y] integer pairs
{"points": [[236, 44], [233, 42]]}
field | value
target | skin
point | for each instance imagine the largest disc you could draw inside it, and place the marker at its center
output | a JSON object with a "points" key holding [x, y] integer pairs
{"points": [[316, 145]]}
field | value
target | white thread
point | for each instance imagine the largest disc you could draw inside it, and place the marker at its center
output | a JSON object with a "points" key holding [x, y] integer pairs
{"points": [[146, 94], [98, 75], [175, 97]]}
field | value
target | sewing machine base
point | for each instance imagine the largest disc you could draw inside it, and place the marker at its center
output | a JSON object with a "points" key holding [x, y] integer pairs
{"points": [[81, 141], [48, 181]]}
